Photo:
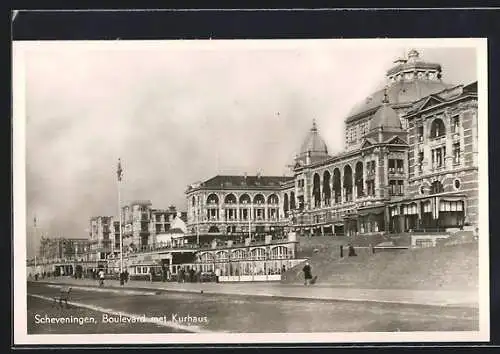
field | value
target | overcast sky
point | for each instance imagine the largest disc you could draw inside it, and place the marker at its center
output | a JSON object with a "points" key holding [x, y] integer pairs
{"points": [[180, 112]]}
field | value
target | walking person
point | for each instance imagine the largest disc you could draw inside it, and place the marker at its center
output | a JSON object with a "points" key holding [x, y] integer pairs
{"points": [[192, 275], [217, 275], [101, 278], [352, 251], [307, 274]]}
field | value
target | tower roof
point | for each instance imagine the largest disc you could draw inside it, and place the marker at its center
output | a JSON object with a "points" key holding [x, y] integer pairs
{"points": [[313, 143], [385, 117], [408, 81]]}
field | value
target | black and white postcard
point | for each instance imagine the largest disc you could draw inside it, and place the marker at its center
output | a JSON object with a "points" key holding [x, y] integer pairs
{"points": [[250, 191]]}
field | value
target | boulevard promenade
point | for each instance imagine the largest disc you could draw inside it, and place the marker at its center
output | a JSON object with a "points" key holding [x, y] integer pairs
{"points": [[291, 291]]}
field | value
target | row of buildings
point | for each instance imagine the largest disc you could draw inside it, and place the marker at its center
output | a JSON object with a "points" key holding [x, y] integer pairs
{"points": [[141, 225], [410, 164], [409, 167]]}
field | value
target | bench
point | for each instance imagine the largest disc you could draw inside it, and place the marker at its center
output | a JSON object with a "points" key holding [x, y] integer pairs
{"points": [[64, 295]]}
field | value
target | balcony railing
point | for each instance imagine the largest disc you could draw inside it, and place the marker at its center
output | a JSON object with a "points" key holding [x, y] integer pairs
{"points": [[440, 140], [193, 246], [396, 171], [437, 168]]}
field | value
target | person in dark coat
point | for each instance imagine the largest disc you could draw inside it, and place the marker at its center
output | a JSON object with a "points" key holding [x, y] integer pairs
{"points": [[307, 274], [352, 252]]}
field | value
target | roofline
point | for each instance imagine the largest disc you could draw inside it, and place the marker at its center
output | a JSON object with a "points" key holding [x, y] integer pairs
{"points": [[442, 104], [235, 188], [413, 65], [347, 154], [362, 115], [138, 202], [101, 216], [190, 189]]}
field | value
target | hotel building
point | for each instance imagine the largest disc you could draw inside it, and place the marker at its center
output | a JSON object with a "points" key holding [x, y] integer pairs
{"points": [[410, 162], [409, 166]]}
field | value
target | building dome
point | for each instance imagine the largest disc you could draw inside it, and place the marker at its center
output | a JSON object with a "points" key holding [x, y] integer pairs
{"points": [[313, 143], [313, 147], [385, 117], [408, 81]]}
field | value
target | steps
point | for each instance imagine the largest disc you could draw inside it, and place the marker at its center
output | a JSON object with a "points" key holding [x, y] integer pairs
{"points": [[447, 267]]}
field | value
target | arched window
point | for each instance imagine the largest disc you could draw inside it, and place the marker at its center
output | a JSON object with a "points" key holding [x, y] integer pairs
{"points": [[316, 190], [230, 199], [337, 185], [279, 252], [221, 256], [326, 187], [348, 183], [245, 199], [213, 199], [359, 179], [273, 199], [258, 254], [206, 258], [285, 203], [437, 128], [238, 254], [213, 229], [259, 199]]}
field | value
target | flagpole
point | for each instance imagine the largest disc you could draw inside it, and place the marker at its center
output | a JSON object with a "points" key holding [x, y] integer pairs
{"points": [[120, 226], [119, 172], [34, 239]]}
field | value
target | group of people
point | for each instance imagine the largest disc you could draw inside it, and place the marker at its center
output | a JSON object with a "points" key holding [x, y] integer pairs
{"points": [[188, 275], [44, 274], [124, 276]]}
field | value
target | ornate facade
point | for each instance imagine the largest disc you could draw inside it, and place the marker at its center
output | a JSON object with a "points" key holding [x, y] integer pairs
{"points": [[235, 207], [410, 162]]}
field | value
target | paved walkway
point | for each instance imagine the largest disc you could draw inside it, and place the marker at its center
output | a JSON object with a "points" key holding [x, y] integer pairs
{"points": [[395, 296]]}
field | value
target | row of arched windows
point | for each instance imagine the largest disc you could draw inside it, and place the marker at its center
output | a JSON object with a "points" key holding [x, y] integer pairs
{"points": [[323, 193], [243, 199], [279, 252]]}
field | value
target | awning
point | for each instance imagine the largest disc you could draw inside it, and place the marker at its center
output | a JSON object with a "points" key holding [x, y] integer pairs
{"points": [[453, 205], [409, 209], [373, 211], [452, 199]]}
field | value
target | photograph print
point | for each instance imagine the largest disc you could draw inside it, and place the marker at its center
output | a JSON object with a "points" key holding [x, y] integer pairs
{"points": [[250, 191]]}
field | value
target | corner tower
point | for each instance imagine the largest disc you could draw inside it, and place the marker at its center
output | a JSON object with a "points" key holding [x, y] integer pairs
{"points": [[313, 148]]}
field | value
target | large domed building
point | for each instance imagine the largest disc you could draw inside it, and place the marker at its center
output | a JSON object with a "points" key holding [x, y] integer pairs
{"points": [[409, 167], [409, 148], [408, 81]]}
